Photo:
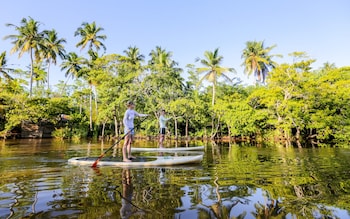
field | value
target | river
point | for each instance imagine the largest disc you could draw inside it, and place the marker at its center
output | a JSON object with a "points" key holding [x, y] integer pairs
{"points": [[233, 181]]}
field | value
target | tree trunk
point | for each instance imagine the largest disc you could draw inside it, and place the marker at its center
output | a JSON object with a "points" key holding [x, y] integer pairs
{"points": [[258, 74], [115, 122], [212, 125], [103, 129], [96, 107], [120, 125], [31, 73], [186, 130], [216, 128], [212, 103], [65, 84], [176, 135], [297, 135], [213, 98], [175, 125], [81, 106], [229, 131], [48, 75], [90, 108]]}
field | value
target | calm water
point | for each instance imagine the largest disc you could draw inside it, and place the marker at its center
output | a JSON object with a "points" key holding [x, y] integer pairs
{"points": [[233, 181]]}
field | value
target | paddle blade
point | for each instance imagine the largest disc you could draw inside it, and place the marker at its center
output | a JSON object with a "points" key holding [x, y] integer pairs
{"points": [[95, 163]]}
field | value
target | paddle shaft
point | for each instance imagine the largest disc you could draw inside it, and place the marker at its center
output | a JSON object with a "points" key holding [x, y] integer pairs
{"points": [[110, 148]]}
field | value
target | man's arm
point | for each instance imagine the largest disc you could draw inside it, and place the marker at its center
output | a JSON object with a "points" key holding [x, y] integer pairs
{"points": [[140, 114]]}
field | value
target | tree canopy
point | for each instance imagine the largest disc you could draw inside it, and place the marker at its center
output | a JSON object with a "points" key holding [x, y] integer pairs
{"points": [[292, 101]]}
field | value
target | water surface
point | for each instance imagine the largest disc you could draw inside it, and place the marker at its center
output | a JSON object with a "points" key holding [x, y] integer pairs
{"points": [[233, 181]]}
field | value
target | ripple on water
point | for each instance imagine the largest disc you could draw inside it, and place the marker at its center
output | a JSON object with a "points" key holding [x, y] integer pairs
{"points": [[6, 200]]}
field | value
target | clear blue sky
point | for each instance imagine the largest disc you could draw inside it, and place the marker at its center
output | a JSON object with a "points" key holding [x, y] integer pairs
{"points": [[189, 27]]}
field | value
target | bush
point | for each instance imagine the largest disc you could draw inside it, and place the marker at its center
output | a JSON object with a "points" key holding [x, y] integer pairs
{"points": [[61, 133]]}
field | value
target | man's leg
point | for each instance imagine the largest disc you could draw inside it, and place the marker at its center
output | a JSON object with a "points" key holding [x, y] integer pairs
{"points": [[129, 147], [125, 146]]}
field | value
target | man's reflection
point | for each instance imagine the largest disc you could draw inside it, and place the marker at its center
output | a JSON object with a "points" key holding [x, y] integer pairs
{"points": [[127, 193], [162, 176]]}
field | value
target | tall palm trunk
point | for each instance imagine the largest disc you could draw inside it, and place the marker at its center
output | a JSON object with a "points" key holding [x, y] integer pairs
{"points": [[212, 135], [213, 116], [90, 107], [31, 73], [214, 92], [48, 75]]}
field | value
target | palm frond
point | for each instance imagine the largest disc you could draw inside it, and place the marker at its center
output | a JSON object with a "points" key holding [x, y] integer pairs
{"points": [[203, 69], [227, 78]]}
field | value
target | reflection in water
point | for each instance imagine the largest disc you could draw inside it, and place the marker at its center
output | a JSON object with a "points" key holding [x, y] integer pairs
{"points": [[162, 176], [221, 209], [126, 209], [34, 202], [270, 208], [235, 181], [88, 151]]}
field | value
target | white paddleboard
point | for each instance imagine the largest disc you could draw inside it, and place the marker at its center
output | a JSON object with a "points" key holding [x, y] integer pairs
{"points": [[143, 161], [179, 149]]}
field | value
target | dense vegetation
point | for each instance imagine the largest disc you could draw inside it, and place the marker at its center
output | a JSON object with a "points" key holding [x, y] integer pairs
{"points": [[290, 101]]}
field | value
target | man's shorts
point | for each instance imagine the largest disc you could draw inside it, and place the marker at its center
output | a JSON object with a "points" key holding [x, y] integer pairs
{"points": [[127, 131]]}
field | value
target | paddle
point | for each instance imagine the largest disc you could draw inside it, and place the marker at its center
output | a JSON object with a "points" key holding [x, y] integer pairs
{"points": [[110, 148]]}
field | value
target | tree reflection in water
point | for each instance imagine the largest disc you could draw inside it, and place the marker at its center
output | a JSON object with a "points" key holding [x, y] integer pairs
{"points": [[270, 209], [221, 208]]}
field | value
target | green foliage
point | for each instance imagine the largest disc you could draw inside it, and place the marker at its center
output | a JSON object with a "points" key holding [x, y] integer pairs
{"points": [[296, 102], [61, 133]]}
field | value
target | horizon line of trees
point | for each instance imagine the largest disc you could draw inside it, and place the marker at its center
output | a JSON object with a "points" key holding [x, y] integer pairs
{"points": [[289, 100]]}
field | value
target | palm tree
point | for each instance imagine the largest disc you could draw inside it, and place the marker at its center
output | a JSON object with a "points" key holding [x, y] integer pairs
{"points": [[4, 70], [28, 39], [212, 69], [73, 65], [53, 48], [85, 73], [327, 66], [132, 56], [257, 59], [161, 58], [90, 37]]}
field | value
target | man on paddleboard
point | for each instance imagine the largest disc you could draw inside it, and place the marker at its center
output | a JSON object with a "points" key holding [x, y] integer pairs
{"points": [[162, 126], [128, 122]]}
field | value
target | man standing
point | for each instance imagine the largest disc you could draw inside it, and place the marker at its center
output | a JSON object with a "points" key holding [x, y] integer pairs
{"points": [[129, 131], [162, 126]]}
